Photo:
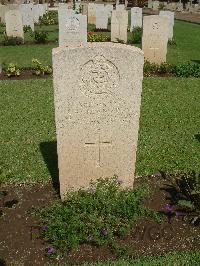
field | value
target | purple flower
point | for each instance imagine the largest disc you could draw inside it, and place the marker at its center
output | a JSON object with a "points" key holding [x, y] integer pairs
{"points": [[90, 238], [45, 228], [92, 190], [104, 232], [157, 174], [168, 208], [50, 250], [178, 214]]}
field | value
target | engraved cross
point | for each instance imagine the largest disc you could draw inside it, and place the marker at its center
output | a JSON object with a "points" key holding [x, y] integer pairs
{"points": [[99, 144], [154, 51]]}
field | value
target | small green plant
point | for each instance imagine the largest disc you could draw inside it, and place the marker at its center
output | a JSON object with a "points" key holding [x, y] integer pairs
{"points": [[186, 70], [13, 70], [40, 36], [39, 69], [150, 68], [92, 37], [49, 18], [94, 216], [136, 36], [27, 29], [12, 41], [172, 42]]}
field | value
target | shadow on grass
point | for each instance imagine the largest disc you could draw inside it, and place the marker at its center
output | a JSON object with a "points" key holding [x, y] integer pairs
{"points": [[197, 137], [196, 61], [49, 152]]}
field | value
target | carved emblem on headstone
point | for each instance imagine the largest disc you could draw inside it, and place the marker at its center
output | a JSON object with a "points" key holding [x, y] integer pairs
{"points": [[72, 24], [99, 76]]}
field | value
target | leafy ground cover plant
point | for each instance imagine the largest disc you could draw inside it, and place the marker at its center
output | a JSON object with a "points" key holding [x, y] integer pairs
{"points": [[49, 18], [95, 216], [27, 29], [40, 36], [92, 37], [136, 36], [12, 70], [40, 69]]}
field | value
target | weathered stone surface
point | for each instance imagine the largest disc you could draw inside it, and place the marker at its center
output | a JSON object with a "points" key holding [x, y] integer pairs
{"points": [[136, 17], [120, 7], [27, 15], [156, 5], [91, 13], [150, 4], [155, 38], [14, 26], [97, 89], [119, 24], [169, 15], [3, 10], [109, 9], [72, 29], [101, 17]]}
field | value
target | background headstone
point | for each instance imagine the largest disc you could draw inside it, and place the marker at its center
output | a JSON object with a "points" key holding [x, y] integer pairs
{"points": [[136, 17], [97, 95], [155, 38], [119, 24], [101, 17], [120, 7], [91, 13], [169, 15], [109, 9], [14, 26], [156, 5], [72, 29], [27, 15], [150, 4]]}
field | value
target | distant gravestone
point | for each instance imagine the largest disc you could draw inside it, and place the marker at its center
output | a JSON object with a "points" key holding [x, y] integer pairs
{"points": [[155, 38], [3, 10], [84, 8], [27, 15], [41, 10], [120, 7], [63, 11], [91, 13], [156, 5], [169, 15], [119, 24], [72, 29], [136, 17], [109, 9], [150, 4], [101, 17], [97, 95], [14, 26], [35, 14]]}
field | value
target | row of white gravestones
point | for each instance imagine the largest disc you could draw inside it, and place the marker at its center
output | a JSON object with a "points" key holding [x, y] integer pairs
{"points": [[21, 15], [170, 16], [155, 38], [97, 95], [119, 24], [99, 14], [136, 17]]}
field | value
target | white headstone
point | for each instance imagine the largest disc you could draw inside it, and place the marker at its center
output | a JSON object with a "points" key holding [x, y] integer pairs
{"points": [[14, 26], [119, 24], [97, 95], [91, 13], [136, 17], [27, 15], [72, 29], [150, 4], [109, 9], [156, 5], [155, 38], [120, 7], [101, 17], [169, 15]]}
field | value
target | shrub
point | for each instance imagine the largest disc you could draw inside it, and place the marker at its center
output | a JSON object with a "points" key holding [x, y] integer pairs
{"points": [[39, 69], [136, 36], [12, 70], [172, 42], [27, 29], [94, 216], [92, 37], [12, 41], [186, 70], [40, 36], [49, 18]]}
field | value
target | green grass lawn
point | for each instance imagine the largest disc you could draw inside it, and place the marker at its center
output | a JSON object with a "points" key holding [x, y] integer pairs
{"points": [[169, 127], [187, 37]]}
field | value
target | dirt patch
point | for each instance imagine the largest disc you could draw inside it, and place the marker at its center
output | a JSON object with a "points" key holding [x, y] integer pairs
{"points": [[20, 229], [25, 74]]}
